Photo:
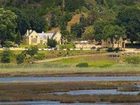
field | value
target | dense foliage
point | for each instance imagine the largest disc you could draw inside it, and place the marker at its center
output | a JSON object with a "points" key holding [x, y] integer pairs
{"points": [[51, 43], [100, 19], [133, 60], [6, 56]]}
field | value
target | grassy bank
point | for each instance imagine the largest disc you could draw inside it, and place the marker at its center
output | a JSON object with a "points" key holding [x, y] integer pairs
{"points": [[98, 64], [43, 54], [39, 91], [46, 69]]}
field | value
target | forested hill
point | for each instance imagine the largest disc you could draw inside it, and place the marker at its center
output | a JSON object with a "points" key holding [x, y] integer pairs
{"points": [[96, 18]]}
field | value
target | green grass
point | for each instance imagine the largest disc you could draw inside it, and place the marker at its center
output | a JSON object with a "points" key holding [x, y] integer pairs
{"points": [[97, 63], [92, 61], [53, 69], [102, 64]]}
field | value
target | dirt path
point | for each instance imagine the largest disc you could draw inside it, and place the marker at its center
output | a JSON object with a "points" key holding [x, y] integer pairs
{"points": [[60, 58]]}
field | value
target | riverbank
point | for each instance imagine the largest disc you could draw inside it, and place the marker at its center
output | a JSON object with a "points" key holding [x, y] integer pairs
{"points": [[36, 70], [98, 65], [41, 91]]}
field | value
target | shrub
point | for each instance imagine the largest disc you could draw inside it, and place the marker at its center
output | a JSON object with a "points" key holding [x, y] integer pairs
{"points": [[110, 49], [51, 43], [6, 56], [117, 50], [67, 46], [20, 58], [32, 50], [8, 44], [39, 56], [82, 65], [133, 60]]}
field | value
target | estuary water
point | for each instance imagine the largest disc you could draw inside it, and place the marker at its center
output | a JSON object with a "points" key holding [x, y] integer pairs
{"points": [[98, 92], [68, 79], [58, 103]]}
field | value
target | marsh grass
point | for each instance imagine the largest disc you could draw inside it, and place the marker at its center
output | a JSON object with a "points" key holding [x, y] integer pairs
{"points": [[95, 64], [40, 91], [92, 61], [56, 68]]}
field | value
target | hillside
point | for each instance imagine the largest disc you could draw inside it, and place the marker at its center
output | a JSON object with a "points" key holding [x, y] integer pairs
{"points": [[73, 16], [75, 20]]}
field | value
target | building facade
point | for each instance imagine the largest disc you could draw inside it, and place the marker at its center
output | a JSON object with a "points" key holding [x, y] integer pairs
{"points": [[34, 38]]}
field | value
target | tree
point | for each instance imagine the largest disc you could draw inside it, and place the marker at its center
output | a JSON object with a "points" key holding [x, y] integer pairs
{"points": [[99, 27], [91, 18], [20, 58], [51, 43], [78, 30], [89, 33], [113, 32], [7, 25], [72, 6], [32, 51], [37, 23], [66, 36], [53, 21], [8, 44], [63, 20], [130, 19], [22, 21], [6, 56], [22, 24]]}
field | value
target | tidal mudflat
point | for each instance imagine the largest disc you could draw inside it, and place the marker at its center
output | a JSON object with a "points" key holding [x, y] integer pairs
{"points": [[41, 91]]}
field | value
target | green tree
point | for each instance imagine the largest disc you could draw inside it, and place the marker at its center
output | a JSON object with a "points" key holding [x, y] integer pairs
{"points": [[53, 21], [20, 58], [99, 27], [51, 43], [37, 23], [32, 51], [22, 21], [63, 20], [8, 44], [89, 33], [6, 56], [71, 5], [78, 30], [130, 19], [113, 32], [66, 36], [7, 25]]}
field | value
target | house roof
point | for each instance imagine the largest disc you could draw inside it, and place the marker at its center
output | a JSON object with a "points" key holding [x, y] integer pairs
{"points": [[46, 35], [42, 35]]}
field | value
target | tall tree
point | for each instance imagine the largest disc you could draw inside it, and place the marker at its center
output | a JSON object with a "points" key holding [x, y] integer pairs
{"points": [[22, 21], [99, 27], [7, 25], [78, 30], [113, 32], [130, 19], [89, 33], [37, 22]]}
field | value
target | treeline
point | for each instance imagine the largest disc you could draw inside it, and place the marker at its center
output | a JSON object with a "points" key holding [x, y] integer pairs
{"points": [[100, 19]]}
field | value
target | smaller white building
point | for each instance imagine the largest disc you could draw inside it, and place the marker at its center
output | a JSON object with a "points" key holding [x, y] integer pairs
{"points": [[34, 38]]}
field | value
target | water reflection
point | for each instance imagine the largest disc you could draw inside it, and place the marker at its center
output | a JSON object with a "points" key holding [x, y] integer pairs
{"points": [[98, 92]]}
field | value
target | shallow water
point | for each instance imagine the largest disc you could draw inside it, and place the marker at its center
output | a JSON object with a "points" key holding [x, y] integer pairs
{"points": [[98, 92], [68, 79], [58, 103]]}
